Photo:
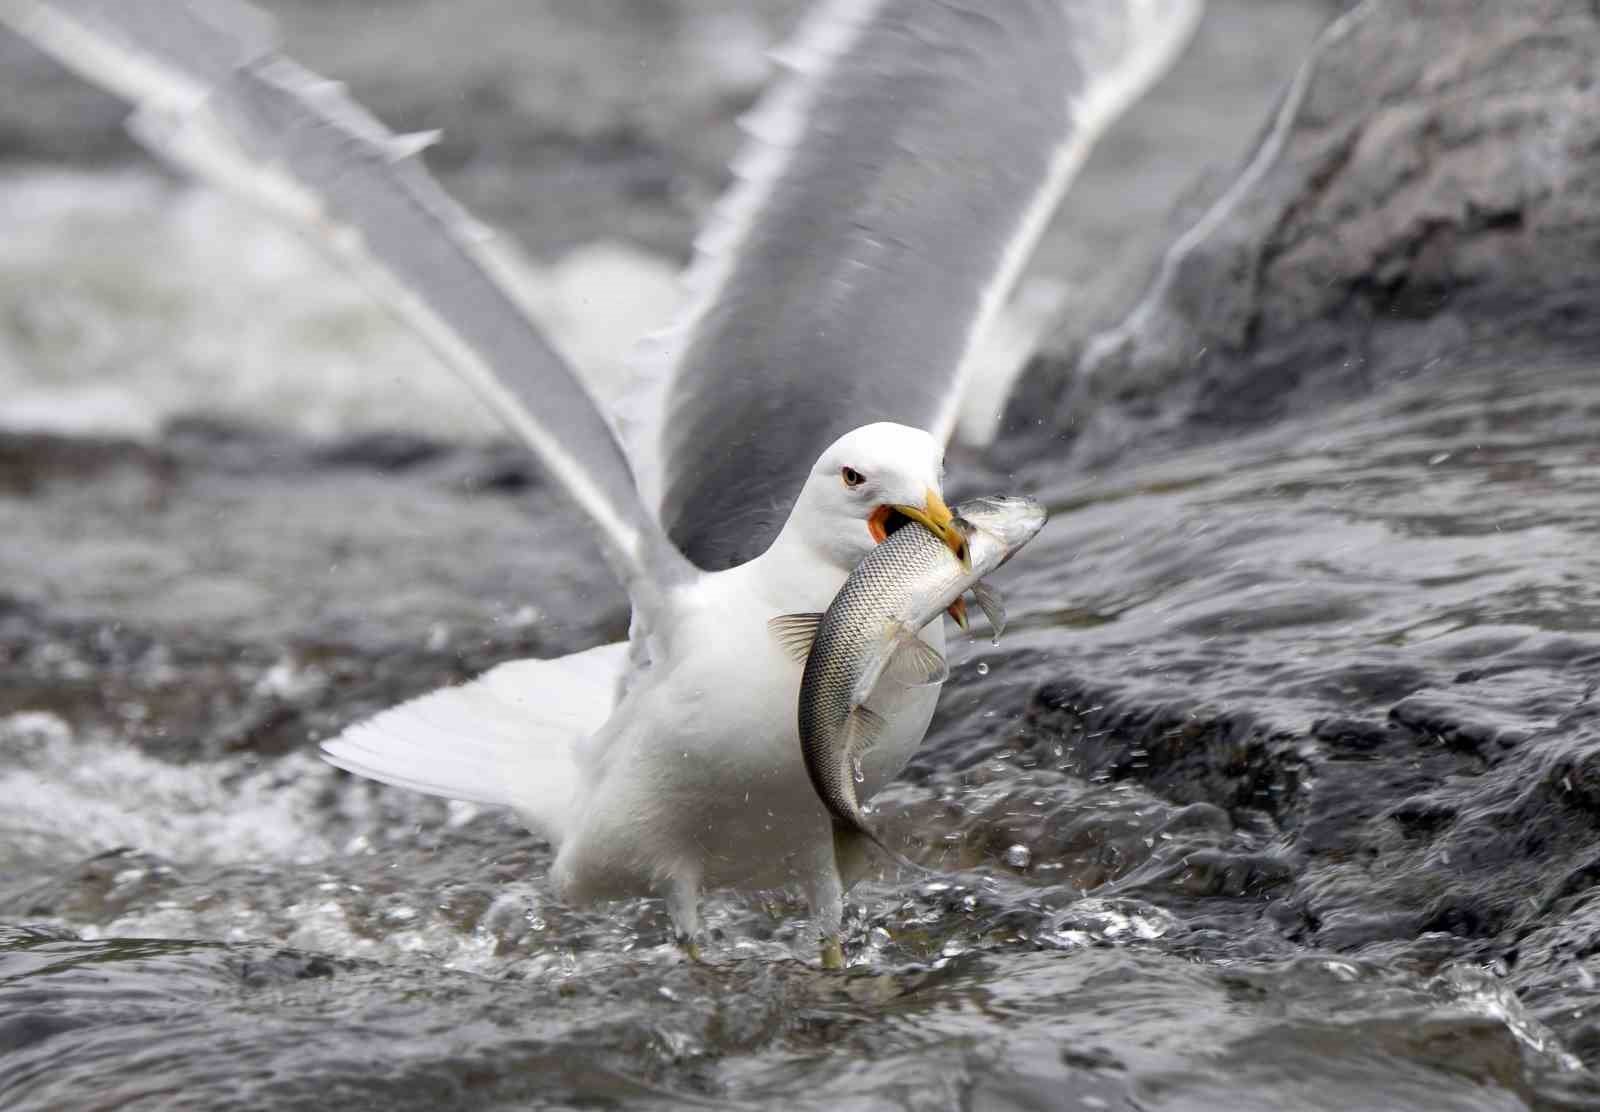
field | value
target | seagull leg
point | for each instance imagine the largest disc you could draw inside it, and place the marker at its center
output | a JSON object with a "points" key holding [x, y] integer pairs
{"points": [[832, 953], [683, 907], [826, 895]]}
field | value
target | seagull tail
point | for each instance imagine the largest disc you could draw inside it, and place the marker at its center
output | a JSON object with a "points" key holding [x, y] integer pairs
{"points": [[510, 738]]}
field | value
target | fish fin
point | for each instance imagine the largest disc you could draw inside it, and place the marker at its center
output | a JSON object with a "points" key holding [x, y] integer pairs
{"points": [[876, 659], [993, 606], [958, 611], [850, 841], [861, 732], [917, 664], [795, 632]]}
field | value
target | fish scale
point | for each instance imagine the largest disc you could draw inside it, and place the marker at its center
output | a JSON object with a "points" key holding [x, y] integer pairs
{"points": [[902, 585], [910, 563]]}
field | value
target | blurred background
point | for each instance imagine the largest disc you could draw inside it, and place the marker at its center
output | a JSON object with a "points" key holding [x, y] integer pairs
{"points": [[596, 136]]}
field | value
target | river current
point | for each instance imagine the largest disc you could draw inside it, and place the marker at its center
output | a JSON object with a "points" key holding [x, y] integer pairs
{"points": [[1280, 791]]}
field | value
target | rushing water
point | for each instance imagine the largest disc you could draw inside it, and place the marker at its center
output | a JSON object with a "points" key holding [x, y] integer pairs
{"points": [[1281, 792], [1195, 815]]}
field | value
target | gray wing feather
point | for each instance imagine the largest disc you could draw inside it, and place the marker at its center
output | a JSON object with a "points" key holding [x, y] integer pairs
{"points": [[893, 185], [213, 96]]}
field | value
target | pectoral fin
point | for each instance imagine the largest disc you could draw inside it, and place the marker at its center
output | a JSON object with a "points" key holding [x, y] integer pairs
{"points": [[993, 607], [795, 632], [917, 664]]}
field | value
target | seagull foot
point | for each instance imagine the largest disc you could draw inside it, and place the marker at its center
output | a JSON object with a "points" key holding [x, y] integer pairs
{"points": [[832, 953], [691, 948]]}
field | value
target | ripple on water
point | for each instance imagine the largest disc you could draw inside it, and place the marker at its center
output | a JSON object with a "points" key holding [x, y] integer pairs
{"points": [[1303, 817]]}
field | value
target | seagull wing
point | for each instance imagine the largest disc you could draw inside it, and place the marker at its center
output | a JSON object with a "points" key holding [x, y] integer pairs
{"points": [[213, 95], [893, 183]]}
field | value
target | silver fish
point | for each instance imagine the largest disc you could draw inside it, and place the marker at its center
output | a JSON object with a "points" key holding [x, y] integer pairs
{"points": [[870, 631]]}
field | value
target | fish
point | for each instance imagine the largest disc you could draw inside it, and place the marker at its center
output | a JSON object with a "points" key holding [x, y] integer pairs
{"points": [[869, 632]]}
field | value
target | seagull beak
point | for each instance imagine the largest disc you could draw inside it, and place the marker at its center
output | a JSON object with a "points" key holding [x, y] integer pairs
{"points": [[936, 518], [933, 515]]}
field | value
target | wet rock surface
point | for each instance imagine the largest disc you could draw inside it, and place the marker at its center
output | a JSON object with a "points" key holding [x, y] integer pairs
{"points": [[1288, 756], [1425, 197], [215, 593]]}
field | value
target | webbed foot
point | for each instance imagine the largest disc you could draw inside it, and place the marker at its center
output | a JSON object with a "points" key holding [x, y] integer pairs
{"points": [[683, 906], [832, 953]]}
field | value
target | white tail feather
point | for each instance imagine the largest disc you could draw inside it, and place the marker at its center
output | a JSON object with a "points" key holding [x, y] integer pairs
{"points": [[507, 739]]}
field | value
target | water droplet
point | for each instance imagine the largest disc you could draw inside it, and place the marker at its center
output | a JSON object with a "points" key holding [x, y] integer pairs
{"points": [[855, 770], [983, 668], [1018, 857]]}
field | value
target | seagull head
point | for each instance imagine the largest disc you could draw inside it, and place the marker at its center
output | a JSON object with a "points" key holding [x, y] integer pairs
{"points": [[870, 482]]}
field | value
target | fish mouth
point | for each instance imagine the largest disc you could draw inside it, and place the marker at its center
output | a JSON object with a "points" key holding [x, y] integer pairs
{"points": [[933, 515]]}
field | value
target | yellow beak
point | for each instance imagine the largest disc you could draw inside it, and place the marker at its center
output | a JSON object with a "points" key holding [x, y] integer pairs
{"points": [[936, 518]]}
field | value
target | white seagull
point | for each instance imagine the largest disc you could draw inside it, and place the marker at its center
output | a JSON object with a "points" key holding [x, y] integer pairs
{"points": [[893, 184]]}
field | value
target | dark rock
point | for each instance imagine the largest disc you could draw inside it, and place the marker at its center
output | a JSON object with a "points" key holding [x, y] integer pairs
{"points": [[1427, 192], [18, 1032], [272, 970], [1350, 735], [1229, 760], [382, 451], [1443, 717], [232, 601], [104, 885], [30, 462]]}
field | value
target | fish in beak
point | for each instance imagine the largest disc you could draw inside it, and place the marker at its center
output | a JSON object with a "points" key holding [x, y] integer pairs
{"points": [[934, 516]]}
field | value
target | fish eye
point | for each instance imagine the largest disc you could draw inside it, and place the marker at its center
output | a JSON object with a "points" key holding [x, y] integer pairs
{"points": [[852, 478]]}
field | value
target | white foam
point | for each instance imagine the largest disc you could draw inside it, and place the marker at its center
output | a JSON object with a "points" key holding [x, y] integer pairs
{"points": [[126, 299], [79, 796]]}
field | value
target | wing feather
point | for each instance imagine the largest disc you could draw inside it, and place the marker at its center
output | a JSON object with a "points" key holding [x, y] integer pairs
{"points": [[891, 187]]}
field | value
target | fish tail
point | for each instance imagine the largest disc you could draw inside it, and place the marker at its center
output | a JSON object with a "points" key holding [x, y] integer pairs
{"points": [[852, 850]]}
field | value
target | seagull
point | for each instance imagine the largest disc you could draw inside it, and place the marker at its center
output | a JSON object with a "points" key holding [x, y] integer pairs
{"points": [[893, 183]]}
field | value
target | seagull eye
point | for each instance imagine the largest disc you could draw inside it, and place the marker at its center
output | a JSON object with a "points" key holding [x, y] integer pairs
{"points": [[852, 477]]}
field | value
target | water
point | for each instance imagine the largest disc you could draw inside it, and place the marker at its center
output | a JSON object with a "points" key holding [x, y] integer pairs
{"points": [[1279, 792], [1275, 795]]}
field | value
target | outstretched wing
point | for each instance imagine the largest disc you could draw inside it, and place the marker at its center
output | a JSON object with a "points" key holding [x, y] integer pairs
{"points": [[893, 185], [213, 95]]}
